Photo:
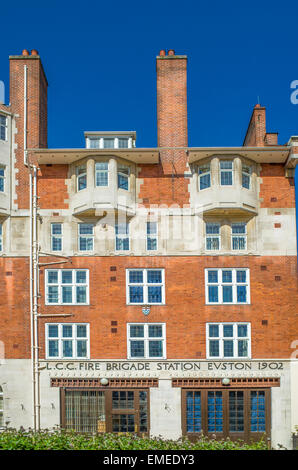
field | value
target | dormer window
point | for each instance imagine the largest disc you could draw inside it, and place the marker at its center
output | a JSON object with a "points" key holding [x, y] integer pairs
{"points": [[108, 143], [110, 140]]}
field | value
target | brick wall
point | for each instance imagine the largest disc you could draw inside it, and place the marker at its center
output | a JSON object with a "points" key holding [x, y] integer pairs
{"points": [[276, 190], [36, 114], [273, 298]]}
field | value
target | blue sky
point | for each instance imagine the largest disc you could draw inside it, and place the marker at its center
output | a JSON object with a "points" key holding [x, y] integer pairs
{"points": [[99, 59]]}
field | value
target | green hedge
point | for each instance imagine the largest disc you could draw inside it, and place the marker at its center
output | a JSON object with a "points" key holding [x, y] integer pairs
{"points": [[12, 439]]}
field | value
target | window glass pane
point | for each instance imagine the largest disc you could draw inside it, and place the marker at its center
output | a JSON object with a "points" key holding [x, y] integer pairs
{"points": [[66, 294], [81, 331], [193, 411], [155, 348], [155, 331], [154, 294], [227, 294], [215, 412], [82, 348], [226, 178], [108, 143], [243, 348], [86, 244], [86, 229], [67, 331], [66, 277], [236, 411], [122, 244], [53, 348], [212, 276], [52, 331], [212, 228], [81, 292], [137, 349], [136, 331], [123, 143], [56, 244], [242, 330], [228, 348], [56, 229], [238, 228], [67, 348], [205, 181], [228, 331], [213, 331], [94, 143], [136, 294], [81, 277], [52, 277], [213, 348], [226, 276], [212, 243], [241, 276], [154, 277], [213, 293], [136, 277], [257, 411], [151, 228], [241, 294], [52, 294], [151, 243], [226, 165]]}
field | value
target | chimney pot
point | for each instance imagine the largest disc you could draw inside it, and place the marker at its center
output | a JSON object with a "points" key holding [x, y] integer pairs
{"points": [[34, 52], [25, 52], [171, 52], [162, 53]]}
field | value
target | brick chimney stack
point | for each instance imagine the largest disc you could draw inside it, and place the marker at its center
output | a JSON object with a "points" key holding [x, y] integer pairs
{"points": [[172, 109], [36, 113]]}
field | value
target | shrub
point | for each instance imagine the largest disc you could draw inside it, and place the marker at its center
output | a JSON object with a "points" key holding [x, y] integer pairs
{"points": [[12, 439]]}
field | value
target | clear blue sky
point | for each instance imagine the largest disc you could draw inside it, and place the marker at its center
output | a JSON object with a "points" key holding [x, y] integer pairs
{"points": [[99, 59]]}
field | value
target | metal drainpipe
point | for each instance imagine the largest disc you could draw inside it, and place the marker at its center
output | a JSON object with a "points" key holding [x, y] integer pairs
{"points": [[35, 300], [32, 280]]}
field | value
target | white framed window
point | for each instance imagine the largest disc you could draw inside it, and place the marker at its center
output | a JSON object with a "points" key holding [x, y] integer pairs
{"points": [[152, 236], [2, 179], [67, 286], [228, 340], [239, 236], [122, 142], [246, 176], [56, 237], [122, 237], [86, 237], [227, 286], [81, 172], [123, 177], [1, 237], [226, 172], [67, 341], [1, 407], [204, 176], [108, 143], [3, 127], [146, 340], [94, 143], [212, 236], [145, 286], [101, 174]]}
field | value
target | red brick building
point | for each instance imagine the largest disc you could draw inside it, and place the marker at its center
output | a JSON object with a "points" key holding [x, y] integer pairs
{"points": [[147, 290]]}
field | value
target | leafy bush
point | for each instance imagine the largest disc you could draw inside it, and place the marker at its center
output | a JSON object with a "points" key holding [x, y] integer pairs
{"points": [[11, 439]]}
